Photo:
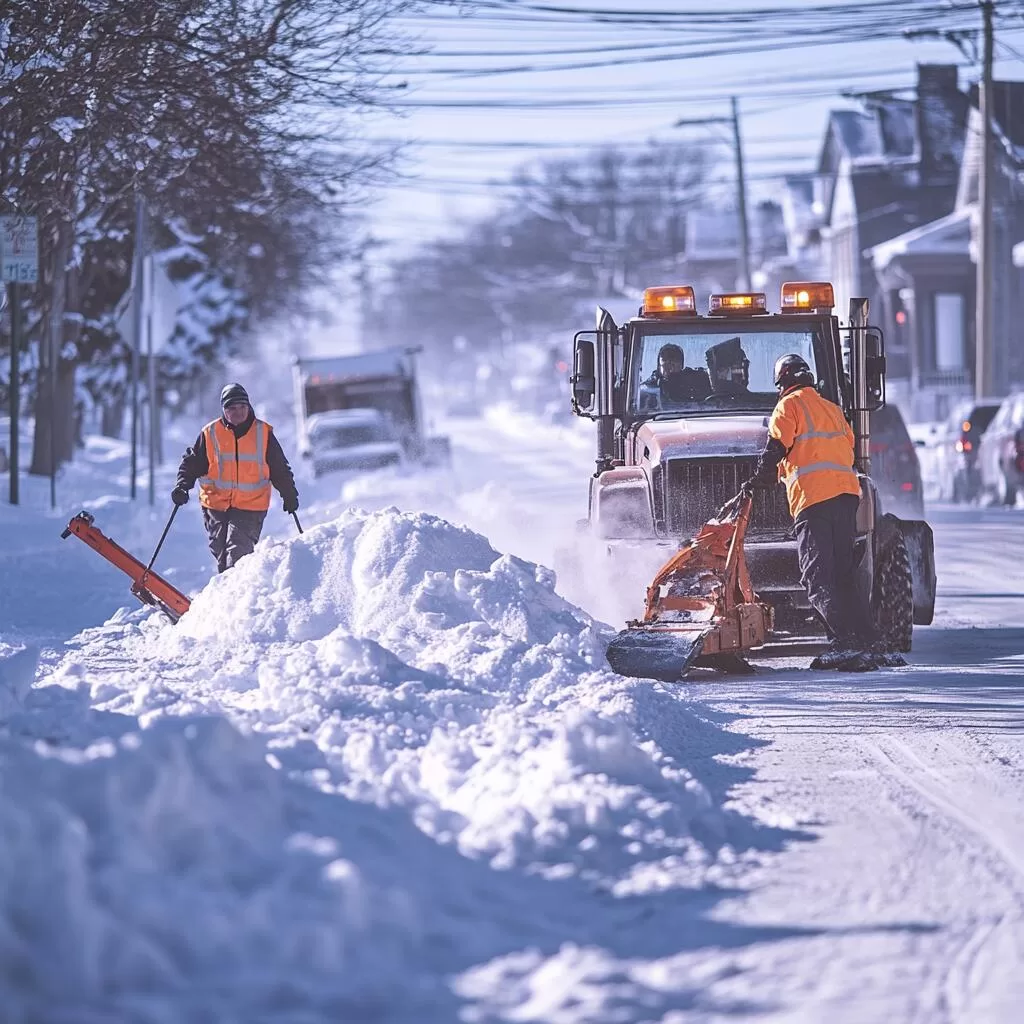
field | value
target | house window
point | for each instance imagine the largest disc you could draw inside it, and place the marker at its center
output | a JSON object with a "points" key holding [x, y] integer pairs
{"points": [[950, 335]]}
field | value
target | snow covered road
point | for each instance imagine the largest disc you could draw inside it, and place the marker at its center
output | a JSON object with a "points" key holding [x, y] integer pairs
{"points": [[381, 773], [907, 789]]}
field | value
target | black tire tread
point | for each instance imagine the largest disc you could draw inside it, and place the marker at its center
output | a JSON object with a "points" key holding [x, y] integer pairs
{"points": [[893, 599]]}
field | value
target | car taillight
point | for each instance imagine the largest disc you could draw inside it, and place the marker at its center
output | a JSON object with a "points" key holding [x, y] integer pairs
{"points": [[907, 486], [964, 445]]}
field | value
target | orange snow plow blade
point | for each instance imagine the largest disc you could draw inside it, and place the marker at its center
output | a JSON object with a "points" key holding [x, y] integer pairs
{"points": [[147, 586], [701, 608]]}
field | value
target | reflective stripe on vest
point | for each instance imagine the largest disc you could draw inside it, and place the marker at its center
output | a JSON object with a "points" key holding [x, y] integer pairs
{"points": [[808, 434], [223, 481], [817, 467]]}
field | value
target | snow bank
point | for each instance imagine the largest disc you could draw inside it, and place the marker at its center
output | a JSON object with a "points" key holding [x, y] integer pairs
{"points": [[374, 740], [421, 668], [173, 868]]}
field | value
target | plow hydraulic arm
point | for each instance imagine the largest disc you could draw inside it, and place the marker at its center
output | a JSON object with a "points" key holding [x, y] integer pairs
{"points": [[147, 586]]}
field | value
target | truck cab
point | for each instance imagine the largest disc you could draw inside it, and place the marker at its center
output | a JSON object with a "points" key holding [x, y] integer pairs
{"points": [[682, 402]]}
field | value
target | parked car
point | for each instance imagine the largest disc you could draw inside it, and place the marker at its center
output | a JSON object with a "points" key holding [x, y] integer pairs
{"points": [[959, 475], [1001, 452], [894, 464]]}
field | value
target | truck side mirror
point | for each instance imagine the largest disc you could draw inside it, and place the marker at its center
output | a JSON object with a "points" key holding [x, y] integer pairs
{"points": [[874, 344], [583, 380]]}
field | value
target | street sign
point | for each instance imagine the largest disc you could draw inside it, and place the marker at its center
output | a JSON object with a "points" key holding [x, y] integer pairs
{"points": [[19, 249]]}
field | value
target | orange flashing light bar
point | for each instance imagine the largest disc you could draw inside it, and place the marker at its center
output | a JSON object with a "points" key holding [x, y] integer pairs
{"points": [[738, 302], [669, 300], [799, 296]]}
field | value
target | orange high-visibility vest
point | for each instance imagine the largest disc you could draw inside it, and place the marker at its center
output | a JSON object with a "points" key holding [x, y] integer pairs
{"points": [[239, 476], [818, 463]]}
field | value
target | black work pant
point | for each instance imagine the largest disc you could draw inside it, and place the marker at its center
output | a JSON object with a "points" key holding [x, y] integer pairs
{"points": [[825, 536], [232, 533]]}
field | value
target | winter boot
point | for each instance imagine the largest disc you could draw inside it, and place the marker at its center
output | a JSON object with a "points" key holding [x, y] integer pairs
{"points": [[840, 651], [881, 655]]}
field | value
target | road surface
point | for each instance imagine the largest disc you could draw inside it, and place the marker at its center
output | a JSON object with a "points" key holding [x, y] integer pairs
{"points": [[895, 799], [880, 817]]}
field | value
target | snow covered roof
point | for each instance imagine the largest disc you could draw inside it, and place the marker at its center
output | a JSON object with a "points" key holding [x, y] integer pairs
{"points": [[949, 235], [381, 363], [927, 129], [884, 132], [857, 131]]}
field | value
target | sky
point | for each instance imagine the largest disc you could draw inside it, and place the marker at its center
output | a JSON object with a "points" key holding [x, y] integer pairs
{"points": [[467, 122]]}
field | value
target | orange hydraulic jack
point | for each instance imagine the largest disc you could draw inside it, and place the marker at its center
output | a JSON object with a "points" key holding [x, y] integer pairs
{"points": [[147, 586]]}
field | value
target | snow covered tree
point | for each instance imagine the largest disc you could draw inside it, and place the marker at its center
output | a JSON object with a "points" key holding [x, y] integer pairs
{"points": [[229, 118]]}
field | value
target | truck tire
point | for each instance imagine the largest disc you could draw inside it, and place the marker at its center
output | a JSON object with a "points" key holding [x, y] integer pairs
{"points": [[893, 597]]}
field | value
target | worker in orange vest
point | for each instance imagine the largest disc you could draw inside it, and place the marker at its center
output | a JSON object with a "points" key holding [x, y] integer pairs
{"points": [[811, 448], [236, 459]]}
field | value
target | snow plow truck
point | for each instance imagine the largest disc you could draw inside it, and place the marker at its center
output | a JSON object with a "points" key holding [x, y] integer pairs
{"points": [[667, 460]]}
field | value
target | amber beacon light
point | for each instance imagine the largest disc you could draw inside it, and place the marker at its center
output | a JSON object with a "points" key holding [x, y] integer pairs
{"points": [[798, 296], [675, 298], [737, 302]]}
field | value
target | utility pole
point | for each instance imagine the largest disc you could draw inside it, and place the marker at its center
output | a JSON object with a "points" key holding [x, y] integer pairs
{"points": [[741, 184], [741, 198], [984, 362], [15, 387]]}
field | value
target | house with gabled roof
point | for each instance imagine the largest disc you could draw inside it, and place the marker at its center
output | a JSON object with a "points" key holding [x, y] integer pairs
{"points": [[926, 276], [885, 170]]}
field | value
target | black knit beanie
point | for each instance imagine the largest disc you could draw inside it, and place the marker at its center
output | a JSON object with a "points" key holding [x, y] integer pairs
{"points": [[233, 393]]}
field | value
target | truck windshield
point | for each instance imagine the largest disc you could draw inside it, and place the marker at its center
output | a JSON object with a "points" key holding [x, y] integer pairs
{"points": [[713, 366], [350, 436]]}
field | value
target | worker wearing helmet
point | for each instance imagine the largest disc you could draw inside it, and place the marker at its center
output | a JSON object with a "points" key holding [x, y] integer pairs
{"points": [[810, 447], [236, 459]]}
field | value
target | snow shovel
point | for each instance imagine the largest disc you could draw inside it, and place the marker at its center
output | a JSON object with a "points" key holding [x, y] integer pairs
{"points": [[700, 609], [147, 586]]}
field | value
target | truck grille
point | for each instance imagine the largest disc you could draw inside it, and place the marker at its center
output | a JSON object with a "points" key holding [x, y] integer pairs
{"points": [[695, 489]]}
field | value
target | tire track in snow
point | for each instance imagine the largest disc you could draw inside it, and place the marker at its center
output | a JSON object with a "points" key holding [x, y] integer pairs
{"points": [[987, 965]]}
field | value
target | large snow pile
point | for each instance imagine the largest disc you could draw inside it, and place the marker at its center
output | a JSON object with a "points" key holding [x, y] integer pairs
{"points": [[369, 760]]}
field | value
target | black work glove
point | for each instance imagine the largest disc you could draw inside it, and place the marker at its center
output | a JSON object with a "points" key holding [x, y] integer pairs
{"points": [[290, 504], [755, 483], [179, 496]]}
